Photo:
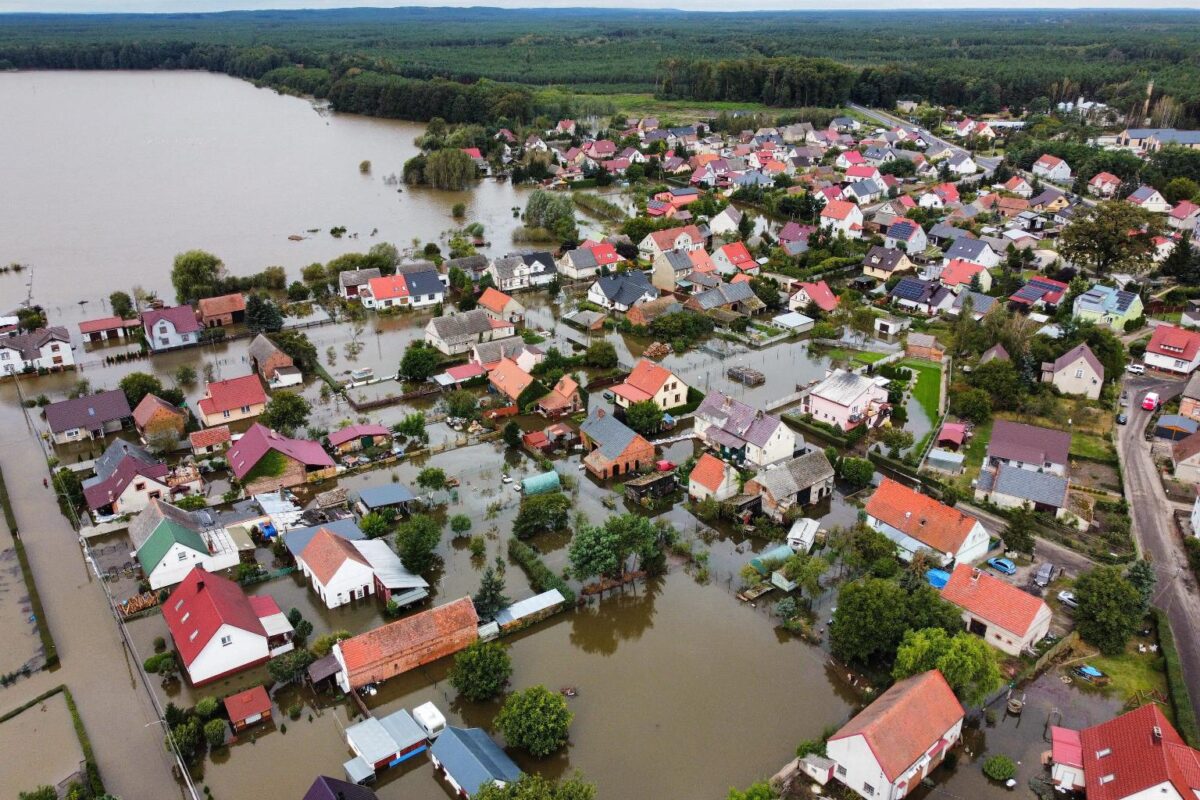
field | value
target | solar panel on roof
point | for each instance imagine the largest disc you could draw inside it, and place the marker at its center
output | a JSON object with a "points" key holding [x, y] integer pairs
{"points": [[909, 289]]}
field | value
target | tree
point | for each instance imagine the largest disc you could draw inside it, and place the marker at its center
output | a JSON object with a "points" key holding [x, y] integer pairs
{"points": [[601, 354], [187, 737], [552, 211], [542, 513], [1181, 188], [416, 541], [185, 375], [757, 791], [413, 426], [644, 416], [374, 525], [462, 403], [1000, 768], [449, 168], [136, 385], [873, 614], [432, 479], [297, 346], [290, 666], [460, 523], [1101, 238], [999, 378], [207, 706], [195, 275], [286, 413], [1180, 263], [531, 786], [512, 435], [420, 361], [1141, 576], [262, 316], [480, 671], [40, 793], [1018, 534], [965, 660], [765, 288], [490, 598], [1109, 609], [605, 550], [536, 720], [69, 486], [122, 305], [971, 404], [896, 439], [322, 646], [214, 732], [858, 471]]}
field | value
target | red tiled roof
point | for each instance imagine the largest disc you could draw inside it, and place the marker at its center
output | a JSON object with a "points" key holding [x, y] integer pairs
{"points": [[200, 605], [959, 271], [464, 372], [666, 239], [243, 705], [647, 377], [388, 287], [233, 394], [1101, 178], [838, 209], [1135, 753], [1173, 342], [356, 432], [509, 379], [225, 304], [326, 552], [419, 639], [904, 722], [1048, 160], [493, 300], [209, 436], [709, 472], [739, 256], [106, 324], [605, 254], [993, 600], [1183, 210], [821, 294], [938, 525]]}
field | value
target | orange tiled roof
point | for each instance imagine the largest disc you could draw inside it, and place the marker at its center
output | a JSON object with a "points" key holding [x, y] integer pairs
{"points": [[991, 599], [225, 304], [326, 553], [209, 436], [938, 525], [417, 634], [709, 472], [493, 300]]}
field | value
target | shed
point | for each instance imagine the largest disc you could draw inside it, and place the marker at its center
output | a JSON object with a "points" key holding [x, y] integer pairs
{"points": [[794, 321], [779, 553], [653, 485], [389, 495], [530, 610], [803, 534], [248, 707], [541, 484], [470, 760], [952, 435], [323, 670], [1175, 427], [945, 460]]}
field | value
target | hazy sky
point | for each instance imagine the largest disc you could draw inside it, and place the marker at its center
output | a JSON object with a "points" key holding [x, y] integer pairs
{"points": [[694, 5]]}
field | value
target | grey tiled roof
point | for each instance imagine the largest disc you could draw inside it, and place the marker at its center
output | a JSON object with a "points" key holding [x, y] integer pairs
{"points": [[356, 277], [468, 323], [625, 288], [1036, 487], [610, 434], [796, 475]]}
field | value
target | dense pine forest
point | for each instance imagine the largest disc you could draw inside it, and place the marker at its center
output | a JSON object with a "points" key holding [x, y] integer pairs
{"points": [[423, 62]]}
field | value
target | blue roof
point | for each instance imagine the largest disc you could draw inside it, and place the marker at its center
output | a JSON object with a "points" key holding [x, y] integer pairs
{"points": [[298, 539], [937, 578], [389, 494], [471, 757]]}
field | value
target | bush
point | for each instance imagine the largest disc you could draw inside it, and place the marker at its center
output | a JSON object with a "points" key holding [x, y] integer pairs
{"points": [[214, 732], [999, 768], [541, 578], [480, 671], [536, 720], [206, 707]]}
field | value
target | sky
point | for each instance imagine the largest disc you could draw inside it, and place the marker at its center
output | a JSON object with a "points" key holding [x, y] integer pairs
{"points": [[152, 6]]}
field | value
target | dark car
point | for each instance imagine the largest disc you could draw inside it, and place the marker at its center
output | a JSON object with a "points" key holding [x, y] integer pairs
{"points": [[1122, 419], [1044, 575]]}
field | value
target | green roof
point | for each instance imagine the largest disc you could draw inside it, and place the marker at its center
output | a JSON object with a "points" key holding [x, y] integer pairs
{"points": [[167, 533]]}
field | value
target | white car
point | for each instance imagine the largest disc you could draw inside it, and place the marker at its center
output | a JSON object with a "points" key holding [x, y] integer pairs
{"points": [[1136, 369], [1068, 599]]}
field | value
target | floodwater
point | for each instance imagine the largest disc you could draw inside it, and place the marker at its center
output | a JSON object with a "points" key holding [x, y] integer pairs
{"points": [[39, 746]]}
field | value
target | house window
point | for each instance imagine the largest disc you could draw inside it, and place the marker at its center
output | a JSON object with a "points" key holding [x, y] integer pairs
{"points": [[841, 771], [1079, 373], [225, 414], [183, 555], [868, 788], [140, 486], [184, 618], [226, 641]]}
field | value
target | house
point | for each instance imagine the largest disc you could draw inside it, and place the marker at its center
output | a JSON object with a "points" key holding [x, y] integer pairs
{"points": [[324, 788], [1012, 487], [1028, 447], [500, 306], [489, 354], [961, 163], [687, 237], [508, 379], [863, 192], [1076, 371], [738, 298], [272, 364], [712, 477], [413, 286], [959, 275], [848, 159], [232, 400], [265, 461], [924, 346], [1104, 305], [379, 742], [248, 708], [167, 328], [218, 312], [994, 353], [169, 542], [408, 643], [669, 268], [921, 296], [798, 482], [1103, 184], [613, 449], [356, 438], [643, 314], [454, 334], [1189, 401], [585, 261], [981, 304], [157, 420], [622, 291], [218, 630], [522, 271], [741, 433], [818, 293], [563, 399], [210, 441], [469, 760], [940, 196], [1008, 618], [881, 262], [888, 326], [1149, 199], [733, 259], [976, 251], [1051, 200], [842, 217], [1040, 292], [1137, 755], [1184, 216], [1173, 349], [127, 478], [107, 329], [1052, 168], [90, 417], [847, 400], [727, 222], [42, 349], [1185, 457], [889, 748], [649, 381], [342, 570], [907, 235], [915, 522], [1019, 186], [351, 282]]}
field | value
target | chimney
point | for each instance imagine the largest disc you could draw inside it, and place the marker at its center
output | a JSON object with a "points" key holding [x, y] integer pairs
{"points": [[199, 584], [600, 413], [1157, 733], [974, 575]]}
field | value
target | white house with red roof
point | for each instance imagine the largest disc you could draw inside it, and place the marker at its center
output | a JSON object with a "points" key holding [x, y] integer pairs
{"points": [[688, 237], [218, 630], [1019, 186], [893, 744], [939, 196], [958, 274], [733, 259], [650, 381], [915, 521], [232, 400], [1137, 756], [1149, 199], [1008, 618], [712, 477], [1103, 184], [818, 293], [842, 217], [848, 159], [1173, 349], [1052, 168], [861, 172], [167, 328], [1183, 216]]}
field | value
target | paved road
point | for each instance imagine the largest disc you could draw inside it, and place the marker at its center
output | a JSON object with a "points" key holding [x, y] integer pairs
{"points": [[988, 163], [1154, 530], [96, 667]]}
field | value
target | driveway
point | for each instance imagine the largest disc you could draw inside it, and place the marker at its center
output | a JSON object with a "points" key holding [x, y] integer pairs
{"points": [[1154, 530]]}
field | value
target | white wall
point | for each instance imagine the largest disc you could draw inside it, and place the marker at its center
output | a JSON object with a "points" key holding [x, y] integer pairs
{"points": [[216, 659]]}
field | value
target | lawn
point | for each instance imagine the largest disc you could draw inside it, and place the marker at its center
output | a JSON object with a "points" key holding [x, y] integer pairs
{"points": [[928, 388], [861, 356], [1136, 675], [1097, 448]]}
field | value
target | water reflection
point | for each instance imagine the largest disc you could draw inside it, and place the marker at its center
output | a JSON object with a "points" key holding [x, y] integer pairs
{"points": [[621, 615]]}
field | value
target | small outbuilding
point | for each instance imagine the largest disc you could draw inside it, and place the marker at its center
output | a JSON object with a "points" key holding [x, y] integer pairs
{"points": [[651, 486], [541, 484], [470, 760], [248, 707]]}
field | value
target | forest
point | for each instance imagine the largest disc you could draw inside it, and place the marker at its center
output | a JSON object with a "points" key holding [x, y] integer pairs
{"points": [[388, 61]]}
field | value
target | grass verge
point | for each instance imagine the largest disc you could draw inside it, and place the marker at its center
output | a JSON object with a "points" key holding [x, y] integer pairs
{"points": [[1177, 690]]}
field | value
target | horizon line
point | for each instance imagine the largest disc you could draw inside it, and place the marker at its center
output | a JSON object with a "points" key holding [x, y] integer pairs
{"points": [[891, 10]]}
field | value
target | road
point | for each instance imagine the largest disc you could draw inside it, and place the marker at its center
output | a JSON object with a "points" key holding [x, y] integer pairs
{"points": [[1154, 529], [989, 164]]}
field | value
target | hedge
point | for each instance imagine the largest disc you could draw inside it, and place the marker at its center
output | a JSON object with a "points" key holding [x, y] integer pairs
{"points": [[541, 578], [818, 430], [95, 784], [35, 599], [1181, 701]]}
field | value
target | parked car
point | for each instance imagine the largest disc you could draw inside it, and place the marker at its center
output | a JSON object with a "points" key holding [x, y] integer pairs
{"points": [[1003, 565], [1068, 599], [1122, 419], [1150, 401], [1136, 369], [1044, 575]]}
